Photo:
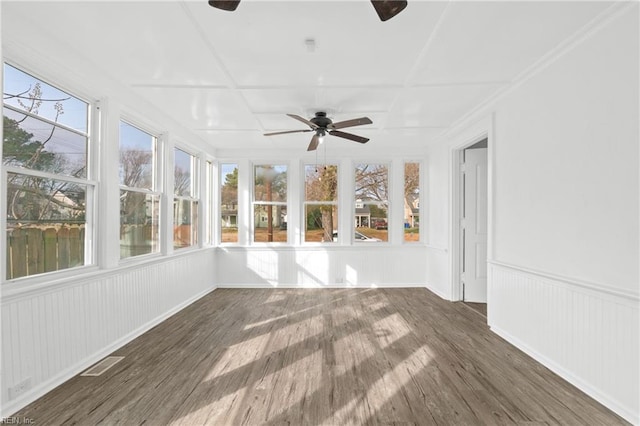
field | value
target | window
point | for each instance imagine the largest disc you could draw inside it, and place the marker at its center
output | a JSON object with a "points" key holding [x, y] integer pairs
{"points": [[229, 203], [45, 146], [411, 202], [185, 201], [321, 203], [208, 220], [270, 203], [139, 193], [371, 202]]}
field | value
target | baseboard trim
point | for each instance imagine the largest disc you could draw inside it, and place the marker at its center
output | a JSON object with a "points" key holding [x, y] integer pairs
{"points": [[45, 387], [332, 285], [585, 387]]}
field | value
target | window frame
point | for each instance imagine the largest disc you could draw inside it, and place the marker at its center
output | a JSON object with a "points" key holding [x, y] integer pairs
{"points": [[193, 197], [218, 216], [305, 203], [90, 181], [255, 203], [421, 183], [156, 186], [389, 192]]}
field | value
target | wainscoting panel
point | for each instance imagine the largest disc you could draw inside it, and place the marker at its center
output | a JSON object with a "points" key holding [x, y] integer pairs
{"points": [[52, 334], [586, 333], [338, 266]]}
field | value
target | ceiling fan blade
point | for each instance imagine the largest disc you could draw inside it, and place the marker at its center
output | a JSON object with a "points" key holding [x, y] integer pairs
{"points": [[287, 131], [350, 123], [349, 136], [315, 140], [304, 120], [387, 9], [229, 5]]}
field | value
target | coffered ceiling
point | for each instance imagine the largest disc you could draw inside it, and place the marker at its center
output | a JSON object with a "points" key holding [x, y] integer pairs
{"points": [[229, 77]]}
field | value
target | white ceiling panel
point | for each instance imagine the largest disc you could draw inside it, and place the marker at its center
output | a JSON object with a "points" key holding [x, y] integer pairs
{"points": [[136, 42], [199, 108], [436, 106], [495, 41], [352, 46]]}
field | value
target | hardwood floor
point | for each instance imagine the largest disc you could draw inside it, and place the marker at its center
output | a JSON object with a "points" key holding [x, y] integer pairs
{"points": [[320, 356], [480, 308]]}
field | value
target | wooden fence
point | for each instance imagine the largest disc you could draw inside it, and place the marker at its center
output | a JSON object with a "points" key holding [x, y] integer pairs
{"points": [[36, 249]]}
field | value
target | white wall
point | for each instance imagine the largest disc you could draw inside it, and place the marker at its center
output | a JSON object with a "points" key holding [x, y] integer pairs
{"points": [[564, 275]]}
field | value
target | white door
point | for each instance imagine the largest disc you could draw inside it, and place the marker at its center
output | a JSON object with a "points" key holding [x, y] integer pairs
{"points": [[474, 226]]}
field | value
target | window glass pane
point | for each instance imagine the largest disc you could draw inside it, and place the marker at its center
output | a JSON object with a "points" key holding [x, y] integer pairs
{"points": [[185, 223], [139, 223], [45, 225], [38, 145], [27, 93], [270, 183], [182, 173], [411, 202], [137, 150], [321, 198], [229, 202], [270, 223], [321, 223], [371, 202]]}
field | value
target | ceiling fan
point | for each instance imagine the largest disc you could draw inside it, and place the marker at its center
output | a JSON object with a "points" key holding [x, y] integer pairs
{"points": [[322, 125], [386, 9]]}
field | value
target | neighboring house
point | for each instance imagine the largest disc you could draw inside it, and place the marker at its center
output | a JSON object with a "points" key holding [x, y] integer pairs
{"points": [[229, 216], [363, 214], [412, 210], [278, 220]]}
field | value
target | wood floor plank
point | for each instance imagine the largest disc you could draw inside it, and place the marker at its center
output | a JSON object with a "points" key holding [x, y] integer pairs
{"points": [[321, 356]]}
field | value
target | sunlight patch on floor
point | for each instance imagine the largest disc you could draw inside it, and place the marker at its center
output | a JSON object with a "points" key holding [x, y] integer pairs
{"points": [[217, 412], [284, 394], [238, 355], [383, 389], [390, 329], [295, 333], [348, 355]]}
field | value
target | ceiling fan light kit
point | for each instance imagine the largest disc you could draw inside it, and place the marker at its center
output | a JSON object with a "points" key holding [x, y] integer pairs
{"points": [[386, 9], [323, 125]]}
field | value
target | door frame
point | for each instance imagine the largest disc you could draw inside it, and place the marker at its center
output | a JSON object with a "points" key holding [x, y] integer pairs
{"points": [[456, 203]]}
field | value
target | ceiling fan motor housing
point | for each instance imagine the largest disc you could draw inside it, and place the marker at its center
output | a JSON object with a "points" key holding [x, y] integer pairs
{"points": [[321, 120]]}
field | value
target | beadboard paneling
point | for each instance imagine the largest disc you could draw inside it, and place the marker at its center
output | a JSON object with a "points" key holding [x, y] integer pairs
{"points": [[338, 266], [586, 334], [51, 335]]}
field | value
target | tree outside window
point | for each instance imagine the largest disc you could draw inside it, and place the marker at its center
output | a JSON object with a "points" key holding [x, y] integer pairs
{"points": [[371, 202], [321, 203], [270, 203]]}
